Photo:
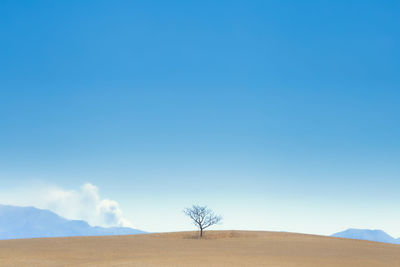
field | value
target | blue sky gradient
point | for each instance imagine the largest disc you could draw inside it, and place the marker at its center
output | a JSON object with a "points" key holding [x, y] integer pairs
{"points": [[280, 115]]}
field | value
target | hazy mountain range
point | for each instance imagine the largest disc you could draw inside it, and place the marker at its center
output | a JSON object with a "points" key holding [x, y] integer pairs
{"points": [[30, 222], [365, 234]]}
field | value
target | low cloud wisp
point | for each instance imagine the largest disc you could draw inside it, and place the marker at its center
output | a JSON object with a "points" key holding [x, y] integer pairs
{"points": [[84, 203]]}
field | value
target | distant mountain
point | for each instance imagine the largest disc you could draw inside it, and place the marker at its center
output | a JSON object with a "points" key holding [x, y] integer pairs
{"points": [[30, 222], [365, 234]]}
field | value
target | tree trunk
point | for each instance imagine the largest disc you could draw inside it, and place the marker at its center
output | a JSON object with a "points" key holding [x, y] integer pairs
{"points": [[201, 232]]}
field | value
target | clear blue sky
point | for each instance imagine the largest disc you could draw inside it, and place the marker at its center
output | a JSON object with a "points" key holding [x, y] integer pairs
{"points": [[280, 115]]}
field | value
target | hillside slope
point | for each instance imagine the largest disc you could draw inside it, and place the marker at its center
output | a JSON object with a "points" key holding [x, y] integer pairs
{"points": [[218, 248]]}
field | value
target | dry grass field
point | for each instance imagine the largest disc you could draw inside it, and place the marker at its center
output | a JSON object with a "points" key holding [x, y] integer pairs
{"points": [[218, 248]]}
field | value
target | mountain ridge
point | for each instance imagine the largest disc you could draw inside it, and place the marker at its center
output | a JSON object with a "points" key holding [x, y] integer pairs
{"points": [[30, 222], [375, 235]]}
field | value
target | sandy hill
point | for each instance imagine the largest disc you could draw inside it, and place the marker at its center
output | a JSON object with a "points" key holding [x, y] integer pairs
{"points": [[218, 248]]}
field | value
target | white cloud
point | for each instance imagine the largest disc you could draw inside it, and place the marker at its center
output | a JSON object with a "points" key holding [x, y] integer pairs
{"points": [[82, 204]]}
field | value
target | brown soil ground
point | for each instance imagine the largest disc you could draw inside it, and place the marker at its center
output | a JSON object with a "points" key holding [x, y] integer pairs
{"points": [[217, 248]]}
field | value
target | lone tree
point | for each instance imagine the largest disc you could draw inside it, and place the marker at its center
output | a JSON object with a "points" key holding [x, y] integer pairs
{"points": [[202, 217]]}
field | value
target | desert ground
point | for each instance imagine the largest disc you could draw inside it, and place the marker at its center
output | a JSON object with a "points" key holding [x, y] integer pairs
{"points": [[217, 248]]}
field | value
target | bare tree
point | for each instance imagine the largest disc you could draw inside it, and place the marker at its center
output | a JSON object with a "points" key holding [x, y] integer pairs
{"points": [[202, 217]]}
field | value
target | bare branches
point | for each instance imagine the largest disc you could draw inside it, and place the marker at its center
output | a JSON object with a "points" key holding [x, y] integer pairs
{"points": [[202, 217]]}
